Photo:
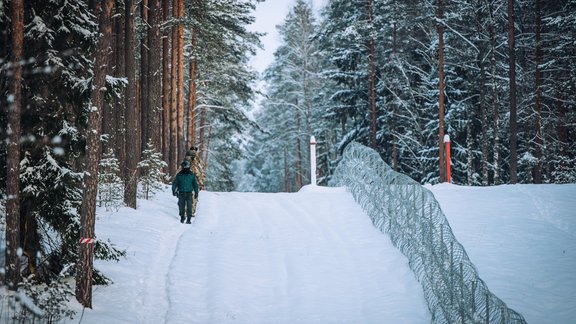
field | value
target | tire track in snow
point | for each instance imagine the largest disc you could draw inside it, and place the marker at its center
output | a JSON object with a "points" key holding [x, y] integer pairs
{"points": [[154, 285]]}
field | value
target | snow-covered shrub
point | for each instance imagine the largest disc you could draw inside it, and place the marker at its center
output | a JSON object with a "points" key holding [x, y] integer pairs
{"points": [[151, 172], [110, 186], [46, 301]]}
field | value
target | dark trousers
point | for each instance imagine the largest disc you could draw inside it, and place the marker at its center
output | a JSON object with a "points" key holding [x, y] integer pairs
{"points": [[185, 203]]}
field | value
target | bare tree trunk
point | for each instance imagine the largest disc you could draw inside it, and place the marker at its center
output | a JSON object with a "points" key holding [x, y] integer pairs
{"points": [[440, 29], [201, 127], [207, 152], [166, 86], [132, 146], [394, 109], [144, 71], [372, 82], [299, 168], [173, 95], [180, 104], [538, 121], [191, 136], [154, 76], [13, 150], [88, 211], [484, 121], [286, 171], [512, 77], [120, 52], [495, 103]]}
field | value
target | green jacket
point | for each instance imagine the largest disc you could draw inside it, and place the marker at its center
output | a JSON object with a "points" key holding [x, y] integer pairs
{"points": [[185, 182]]}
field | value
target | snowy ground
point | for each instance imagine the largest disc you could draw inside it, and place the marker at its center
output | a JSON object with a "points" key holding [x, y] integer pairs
{"points": [[522, 239], [314, 257], [308, 257]]}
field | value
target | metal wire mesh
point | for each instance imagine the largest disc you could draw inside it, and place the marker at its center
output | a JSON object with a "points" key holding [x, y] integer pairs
{"points": [[411, 216]]}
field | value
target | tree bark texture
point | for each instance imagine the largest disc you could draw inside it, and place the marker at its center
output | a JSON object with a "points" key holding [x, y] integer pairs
{"points": [[154, 77], [191, 130], [166, 85], [88, 211], [173, 95], [440, 29], [495, 101], [512, 80], [372, 82], [120, 127], [13, 150], [538, 104], [132, 116], [144, 70], [180, 103]]}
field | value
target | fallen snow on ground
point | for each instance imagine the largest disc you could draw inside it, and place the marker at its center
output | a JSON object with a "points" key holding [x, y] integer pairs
{"points": [[307, 257], [314, 257]]}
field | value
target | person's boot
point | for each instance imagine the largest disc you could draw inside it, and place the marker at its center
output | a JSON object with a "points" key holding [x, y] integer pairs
{"points": [[182, 219], [188, 220]]}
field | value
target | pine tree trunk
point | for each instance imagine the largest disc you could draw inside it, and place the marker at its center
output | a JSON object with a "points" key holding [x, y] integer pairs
{"points": [[120, 127], [132, 146], [512, 80], [484, 122], [495, 103], [144, 71], [88, 211], [166, 86], [440, 29], [154, 76], [538, 106], [201, 126], [13, 150], [191, 136], [180, 104], [286, 172], [174, 95], [299, 167], [372, 82], [394, 109]]}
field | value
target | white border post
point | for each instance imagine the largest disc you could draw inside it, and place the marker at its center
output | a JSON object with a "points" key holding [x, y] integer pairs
{"points": [[312, 160]]}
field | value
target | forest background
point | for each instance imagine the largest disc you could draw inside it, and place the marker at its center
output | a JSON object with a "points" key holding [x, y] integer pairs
{"points": [[105, 97]]}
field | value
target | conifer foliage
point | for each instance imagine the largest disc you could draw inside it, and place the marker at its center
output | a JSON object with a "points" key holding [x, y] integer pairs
{"points": [[151, 176]]}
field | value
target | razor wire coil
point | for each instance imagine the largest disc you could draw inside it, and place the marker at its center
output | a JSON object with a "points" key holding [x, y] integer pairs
{"points": [[416, 225]]}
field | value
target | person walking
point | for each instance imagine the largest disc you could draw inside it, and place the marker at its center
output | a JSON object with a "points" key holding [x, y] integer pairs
{"points": [[185, 187], [198, 169]]}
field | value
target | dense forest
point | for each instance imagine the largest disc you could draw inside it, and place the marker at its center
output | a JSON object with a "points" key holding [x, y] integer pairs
{"points": [[101, 99], [371, 71]]}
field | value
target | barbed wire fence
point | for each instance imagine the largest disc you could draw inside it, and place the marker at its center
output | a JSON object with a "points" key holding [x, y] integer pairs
{"points": [[411, 216]]}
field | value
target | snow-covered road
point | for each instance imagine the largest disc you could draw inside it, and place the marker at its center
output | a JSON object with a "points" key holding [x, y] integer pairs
{"points": [[307, 257]]}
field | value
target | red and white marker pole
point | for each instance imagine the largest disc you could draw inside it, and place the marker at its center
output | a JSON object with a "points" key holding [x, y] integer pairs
{"points": [[447, 150], [312, 160]]}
